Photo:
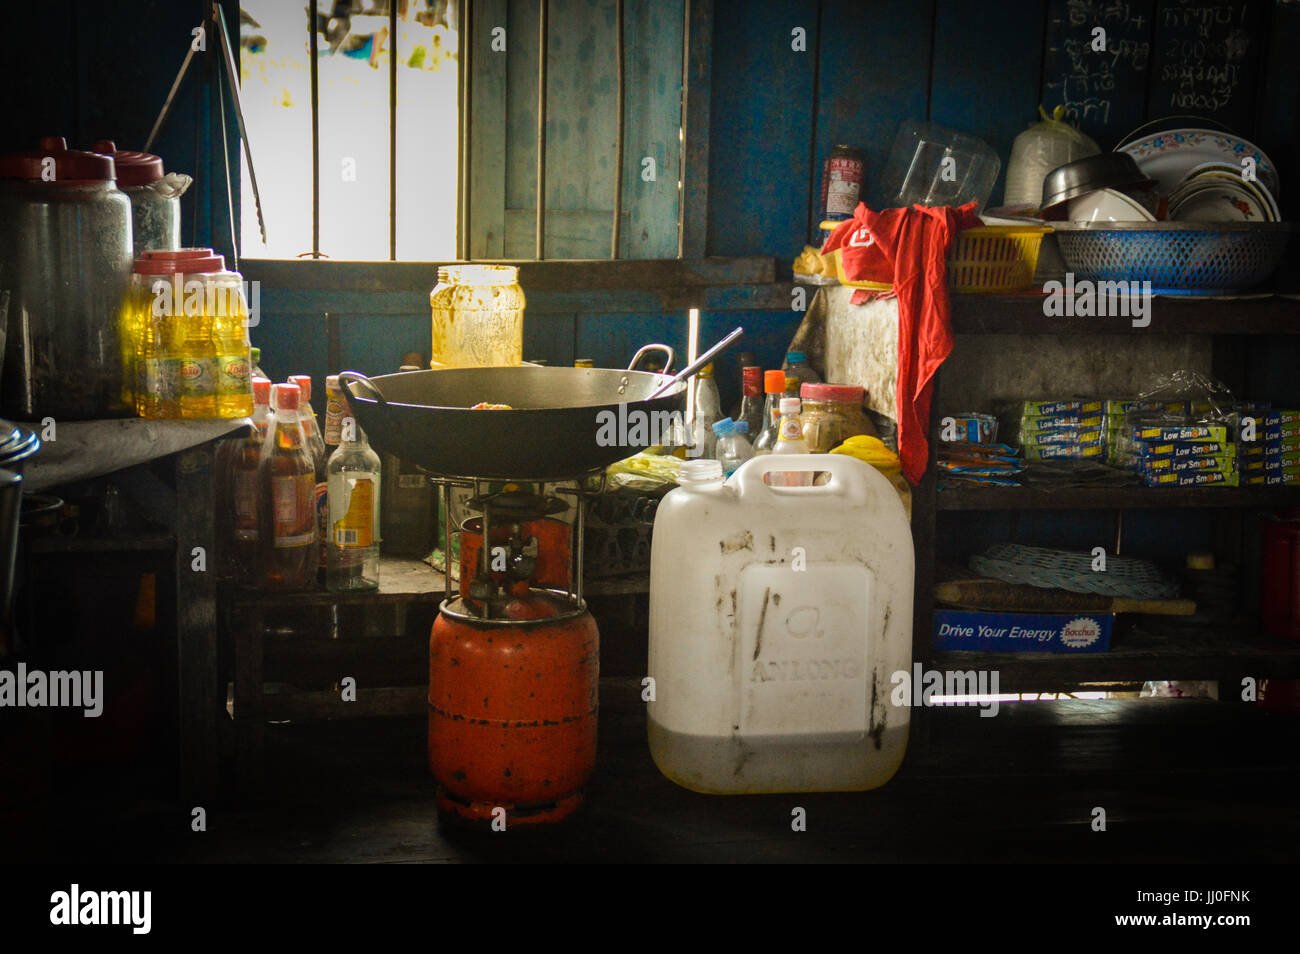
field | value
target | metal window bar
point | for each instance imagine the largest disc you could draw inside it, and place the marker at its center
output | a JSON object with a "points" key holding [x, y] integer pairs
{"points": [[392, 130], [463, 176], [617, 231], [543, 17], [315, 133]]}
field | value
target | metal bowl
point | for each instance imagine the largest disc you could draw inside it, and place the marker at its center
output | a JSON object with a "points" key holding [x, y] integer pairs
{"points": [[1106, 170]]}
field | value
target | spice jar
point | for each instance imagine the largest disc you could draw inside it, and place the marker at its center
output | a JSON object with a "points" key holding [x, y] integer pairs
{"points": [[478, 317], [832, 413], [155, 197]]}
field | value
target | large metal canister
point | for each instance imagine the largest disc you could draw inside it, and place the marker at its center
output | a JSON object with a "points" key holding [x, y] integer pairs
{"points": [[512, 713], [65, 258]]}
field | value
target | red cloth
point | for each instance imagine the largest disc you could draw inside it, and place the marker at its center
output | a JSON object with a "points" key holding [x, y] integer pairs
{"points": [[909, 247]]}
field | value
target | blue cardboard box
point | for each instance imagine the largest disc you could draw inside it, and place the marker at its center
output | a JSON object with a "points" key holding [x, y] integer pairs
{"points": [[1023, 632]]}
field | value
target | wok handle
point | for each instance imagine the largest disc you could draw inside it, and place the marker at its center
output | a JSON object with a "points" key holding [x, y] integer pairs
{"points": [[347, 378], [636, 358], [698, 363]]}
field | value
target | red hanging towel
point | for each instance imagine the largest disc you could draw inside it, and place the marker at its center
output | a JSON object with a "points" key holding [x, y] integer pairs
{"points": [[909, 247]]}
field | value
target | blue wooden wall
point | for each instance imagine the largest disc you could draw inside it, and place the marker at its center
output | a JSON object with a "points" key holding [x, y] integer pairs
{"points": [[790, 79]]}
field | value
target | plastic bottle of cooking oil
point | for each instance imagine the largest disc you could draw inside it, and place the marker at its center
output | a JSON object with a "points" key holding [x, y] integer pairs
{"points": [[353, 542], [156, 367], [230, 340], [290, 550], [196, 353]]}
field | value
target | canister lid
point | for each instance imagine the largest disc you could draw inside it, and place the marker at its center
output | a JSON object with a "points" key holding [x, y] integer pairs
{"points": [[184, 260], [133, 168], [840, 393], [69, 165]]}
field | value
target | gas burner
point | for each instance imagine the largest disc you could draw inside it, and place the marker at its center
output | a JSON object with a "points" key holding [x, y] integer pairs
{"points": [[517, 505]]}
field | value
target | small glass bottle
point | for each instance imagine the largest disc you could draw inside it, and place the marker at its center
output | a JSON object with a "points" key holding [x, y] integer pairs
{"points": [[353, 542], [289, 544], [774, 388], [240, 510], [316, 444], [708, 410], [790, 441], [255, 363], [751, 401], [796, 365]]}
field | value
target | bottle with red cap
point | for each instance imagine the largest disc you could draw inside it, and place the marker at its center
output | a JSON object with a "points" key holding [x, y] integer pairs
{"points": [[320, 460], [238, 494], [751, 401], [774, 388], [289, 544]]}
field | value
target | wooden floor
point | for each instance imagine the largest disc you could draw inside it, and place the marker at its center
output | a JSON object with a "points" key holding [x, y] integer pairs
{"points": [[1180, 780]]}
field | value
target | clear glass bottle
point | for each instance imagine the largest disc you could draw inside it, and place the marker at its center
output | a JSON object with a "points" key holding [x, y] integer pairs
{"points": [[796, 365], [708, 411], [751, 401], [774, 389], [790, 441], [316, 444], [255, 362], [354, 484], [290, 548], [336, 409], [239, 511]]}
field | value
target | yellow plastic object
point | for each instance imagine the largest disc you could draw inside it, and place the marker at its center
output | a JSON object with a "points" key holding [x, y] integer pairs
{"points": [[988, 258], [872, 450]]}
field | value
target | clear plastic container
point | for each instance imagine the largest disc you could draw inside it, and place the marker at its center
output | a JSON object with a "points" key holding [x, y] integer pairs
{"points": [[773, 675], [930, 164], [797, 366], [478, 317], [733, 444]]}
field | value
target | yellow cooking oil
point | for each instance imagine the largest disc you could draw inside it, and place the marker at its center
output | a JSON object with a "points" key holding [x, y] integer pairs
{"points": [[233, 367], [195, 352]]}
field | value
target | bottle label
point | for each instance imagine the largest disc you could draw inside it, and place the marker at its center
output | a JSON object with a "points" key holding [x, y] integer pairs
{"points": [[292, 510], [336, 408], [233, 375], [355, 526], [245, 504], [321, 514], [791, 429], [197, 377], [157, 377]]}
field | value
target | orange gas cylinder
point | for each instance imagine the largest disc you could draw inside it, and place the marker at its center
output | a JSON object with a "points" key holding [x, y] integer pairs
{"points": [[512, 710], [554, 561]]}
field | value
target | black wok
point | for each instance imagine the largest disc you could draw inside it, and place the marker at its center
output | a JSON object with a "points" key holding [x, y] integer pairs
{"points": [[563, 422]]}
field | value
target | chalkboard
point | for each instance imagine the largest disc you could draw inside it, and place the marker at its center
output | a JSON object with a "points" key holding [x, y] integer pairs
{"points": [[1104, 91], [1206, 60]]}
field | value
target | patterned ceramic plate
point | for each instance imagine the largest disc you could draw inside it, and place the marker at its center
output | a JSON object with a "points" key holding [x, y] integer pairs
{"points": [[1169, 156]]}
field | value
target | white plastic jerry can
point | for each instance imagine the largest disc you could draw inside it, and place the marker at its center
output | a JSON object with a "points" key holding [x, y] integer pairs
{"points": [[778, 615]]}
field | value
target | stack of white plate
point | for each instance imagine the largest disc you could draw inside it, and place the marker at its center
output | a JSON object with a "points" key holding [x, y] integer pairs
{"points": [[1209, 175]]}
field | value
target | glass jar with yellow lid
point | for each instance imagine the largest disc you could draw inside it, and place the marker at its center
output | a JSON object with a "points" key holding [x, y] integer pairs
{"points": [[478, 317]]}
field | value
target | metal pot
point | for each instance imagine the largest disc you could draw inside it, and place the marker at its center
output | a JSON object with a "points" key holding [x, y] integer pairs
{"points": [[65, 257], [563, 422]]}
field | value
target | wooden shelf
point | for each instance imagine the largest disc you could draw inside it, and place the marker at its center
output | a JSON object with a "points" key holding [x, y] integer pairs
{"points": [[1116, 498], [1143, 651], [1023, 315]]}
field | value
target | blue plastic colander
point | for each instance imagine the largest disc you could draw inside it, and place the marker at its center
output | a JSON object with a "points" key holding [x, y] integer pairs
{"points": [[1177, 258]]}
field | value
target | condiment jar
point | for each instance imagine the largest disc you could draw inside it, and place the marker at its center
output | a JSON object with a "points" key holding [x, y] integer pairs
{"points": [[155, 197], [65, 259], [832, 413], [478, 317]]}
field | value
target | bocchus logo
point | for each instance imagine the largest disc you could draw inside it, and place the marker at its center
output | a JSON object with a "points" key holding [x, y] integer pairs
{"points": [[1080, 632]]}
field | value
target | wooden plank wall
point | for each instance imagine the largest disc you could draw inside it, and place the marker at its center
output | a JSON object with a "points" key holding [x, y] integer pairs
{"points": [[979, 68]]}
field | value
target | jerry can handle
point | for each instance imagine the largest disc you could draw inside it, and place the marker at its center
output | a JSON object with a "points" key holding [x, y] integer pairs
{"points": [[850, 477]]}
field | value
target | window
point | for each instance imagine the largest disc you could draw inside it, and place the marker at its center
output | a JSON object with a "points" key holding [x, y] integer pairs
{"points": [[383, 163]]}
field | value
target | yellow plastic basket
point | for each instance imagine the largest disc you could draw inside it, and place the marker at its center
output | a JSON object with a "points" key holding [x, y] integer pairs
{"points": [[988, 259], [995, 258]]}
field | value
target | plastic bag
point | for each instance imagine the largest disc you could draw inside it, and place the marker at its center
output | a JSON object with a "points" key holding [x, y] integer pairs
{"points": [[1037, 151]]}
